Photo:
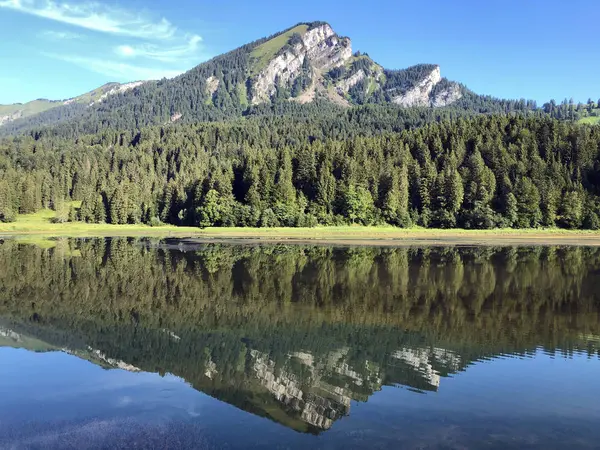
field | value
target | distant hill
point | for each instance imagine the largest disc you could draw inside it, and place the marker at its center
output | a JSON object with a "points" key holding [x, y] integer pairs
{"points": [[16, 111]]}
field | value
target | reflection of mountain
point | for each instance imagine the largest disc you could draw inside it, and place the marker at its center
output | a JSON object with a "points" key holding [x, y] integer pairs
{"points": [[11, 338], [301, 389], [296, 334], [306, 391], [422, 360]]}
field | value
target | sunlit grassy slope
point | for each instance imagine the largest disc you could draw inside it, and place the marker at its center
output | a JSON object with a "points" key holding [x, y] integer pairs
{"points": [[41, 105], [262, 54], [28, 109]]}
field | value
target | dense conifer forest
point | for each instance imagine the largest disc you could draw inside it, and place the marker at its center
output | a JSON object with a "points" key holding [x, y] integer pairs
{"points": [[370, 165]]}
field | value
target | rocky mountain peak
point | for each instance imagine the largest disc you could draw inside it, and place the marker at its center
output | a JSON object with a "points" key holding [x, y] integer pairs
{"points": [[305, 63], [309, 52], [424, 92]]}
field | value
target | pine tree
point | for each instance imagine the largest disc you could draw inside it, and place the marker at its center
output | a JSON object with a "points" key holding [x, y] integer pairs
{"points": [[30, 200], [391, 201], [511, 209], [100, 209], [326, 188], [528, 198], [118, 206], [209, 213], [7, 212], [571, 210], [454, 191]]}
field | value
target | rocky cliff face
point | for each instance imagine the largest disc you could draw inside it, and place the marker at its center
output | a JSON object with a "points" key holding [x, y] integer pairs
{"points": [[320, 45], [118, 89], [212, 84], [10, 117], [447, 96], [422, 93], [343, 86]]}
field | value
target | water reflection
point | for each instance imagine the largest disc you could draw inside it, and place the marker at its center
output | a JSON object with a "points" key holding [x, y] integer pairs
{"points": [[297, 333]]}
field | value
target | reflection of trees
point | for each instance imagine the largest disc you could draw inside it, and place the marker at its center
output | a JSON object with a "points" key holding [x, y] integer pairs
{"points": [[295, 332], [510, 295]]}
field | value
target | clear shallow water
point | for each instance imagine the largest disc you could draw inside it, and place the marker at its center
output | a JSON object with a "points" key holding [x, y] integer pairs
{"points": [[168, 344]]}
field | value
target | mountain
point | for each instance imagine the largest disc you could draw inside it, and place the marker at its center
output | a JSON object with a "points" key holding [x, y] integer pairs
{"points": [[10, 113], [305, 64]]}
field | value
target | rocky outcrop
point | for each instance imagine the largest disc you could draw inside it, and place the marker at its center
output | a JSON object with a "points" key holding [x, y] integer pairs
{"points": [[325, 391], [447, 96], [10, 117], [325, 49], [419, 95], [10, 334], [119, 89], [423, 93], [320, 45], [212, 84], [343, 86]]}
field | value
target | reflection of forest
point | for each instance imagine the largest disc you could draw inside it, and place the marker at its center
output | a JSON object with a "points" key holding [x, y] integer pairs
{"points": [[295, 333]]}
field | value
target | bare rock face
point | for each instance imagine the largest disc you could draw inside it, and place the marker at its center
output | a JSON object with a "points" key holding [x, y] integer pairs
{"points": [[343, 86], [10, 117], [212, 84], [447, 96], [324, 50], [419, 94], [115, 90], [422, 94]]}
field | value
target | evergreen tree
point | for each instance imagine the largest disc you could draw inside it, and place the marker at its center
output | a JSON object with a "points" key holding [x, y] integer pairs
{"points": [[571, 210], [118, 206], [209, 213], [528, 198]]}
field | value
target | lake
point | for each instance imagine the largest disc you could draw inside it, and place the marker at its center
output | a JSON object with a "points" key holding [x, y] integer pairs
{"points": [[164, 343]]}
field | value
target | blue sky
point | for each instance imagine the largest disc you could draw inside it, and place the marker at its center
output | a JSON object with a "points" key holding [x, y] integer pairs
{"points": [[514, 49]]}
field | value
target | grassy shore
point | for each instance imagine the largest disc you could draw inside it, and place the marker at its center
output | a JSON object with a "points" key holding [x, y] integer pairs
{"points": [[40, 225]]}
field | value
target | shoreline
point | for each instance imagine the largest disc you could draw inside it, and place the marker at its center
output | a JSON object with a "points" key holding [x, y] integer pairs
{"points": [[345, 235]]}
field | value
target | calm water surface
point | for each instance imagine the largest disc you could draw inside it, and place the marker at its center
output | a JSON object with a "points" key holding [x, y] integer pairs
{"points": [[137, 343]]}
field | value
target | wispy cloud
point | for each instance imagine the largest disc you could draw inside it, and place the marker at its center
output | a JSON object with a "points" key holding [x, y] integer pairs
{"points": [[135, 46], [118, 71], [60, 35], [172, 54], [96, 16]]}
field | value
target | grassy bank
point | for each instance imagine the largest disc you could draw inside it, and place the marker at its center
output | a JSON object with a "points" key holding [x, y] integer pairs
{"points": [[41, 223], [30, 226]]}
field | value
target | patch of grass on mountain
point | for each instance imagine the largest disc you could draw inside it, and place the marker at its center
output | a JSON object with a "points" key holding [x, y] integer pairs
{"points": [[94, 95], [30, 108], [262, 54], [242, 93], [372, 86]]}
